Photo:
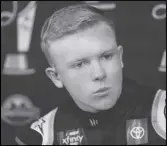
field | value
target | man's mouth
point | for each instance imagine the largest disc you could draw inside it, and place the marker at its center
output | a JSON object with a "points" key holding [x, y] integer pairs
{"points": [[102, 92]]}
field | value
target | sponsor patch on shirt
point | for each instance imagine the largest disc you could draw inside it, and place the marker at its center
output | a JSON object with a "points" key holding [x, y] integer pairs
{"points": [[72, 137], [136, 131]]}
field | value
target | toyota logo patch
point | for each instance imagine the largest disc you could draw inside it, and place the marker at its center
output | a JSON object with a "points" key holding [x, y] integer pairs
{"points": [[137, 132]]}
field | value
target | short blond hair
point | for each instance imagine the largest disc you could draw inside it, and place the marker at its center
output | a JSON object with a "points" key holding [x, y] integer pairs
{"points": [[70, 20]]}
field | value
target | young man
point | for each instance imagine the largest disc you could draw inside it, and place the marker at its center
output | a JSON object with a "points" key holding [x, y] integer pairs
{"points": [[103, 107]]}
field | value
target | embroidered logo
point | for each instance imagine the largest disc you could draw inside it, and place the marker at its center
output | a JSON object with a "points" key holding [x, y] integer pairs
{"points": [[93, 122], [136, 131], [71, 137]]}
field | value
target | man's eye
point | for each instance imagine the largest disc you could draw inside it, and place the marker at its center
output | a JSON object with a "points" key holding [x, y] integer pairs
{"points": [[79, 65], [107, 56]]}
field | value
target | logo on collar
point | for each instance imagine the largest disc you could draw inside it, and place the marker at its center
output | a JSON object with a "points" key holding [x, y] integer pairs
{"points": [[136, 131], [93, 122], [72, 137]]}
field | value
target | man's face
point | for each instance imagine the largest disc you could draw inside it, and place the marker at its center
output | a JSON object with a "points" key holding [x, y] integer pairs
{"points": [[87, 62]]}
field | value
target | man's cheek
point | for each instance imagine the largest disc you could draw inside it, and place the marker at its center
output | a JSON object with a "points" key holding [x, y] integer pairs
{"points": [[113, 68], [114, 78], [73, 74], [75, 82]]}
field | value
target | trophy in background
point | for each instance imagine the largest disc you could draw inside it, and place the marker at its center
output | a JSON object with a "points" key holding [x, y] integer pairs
{"points": [[162, 67], [17, 64]]}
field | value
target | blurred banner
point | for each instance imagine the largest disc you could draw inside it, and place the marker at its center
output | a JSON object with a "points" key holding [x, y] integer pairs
{"points": [[26, 92]]}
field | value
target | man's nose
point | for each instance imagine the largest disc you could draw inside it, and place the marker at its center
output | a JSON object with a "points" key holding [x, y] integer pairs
{"points": [[98, 72]]}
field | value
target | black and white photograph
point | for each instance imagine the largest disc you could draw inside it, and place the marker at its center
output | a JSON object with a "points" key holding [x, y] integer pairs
{"points": [[83, 72]]}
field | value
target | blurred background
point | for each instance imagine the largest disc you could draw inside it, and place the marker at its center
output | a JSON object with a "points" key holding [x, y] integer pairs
{"points": [[26, 92]]}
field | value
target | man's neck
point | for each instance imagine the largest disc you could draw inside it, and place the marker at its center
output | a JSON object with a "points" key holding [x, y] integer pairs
{"points": [[85, 107]]}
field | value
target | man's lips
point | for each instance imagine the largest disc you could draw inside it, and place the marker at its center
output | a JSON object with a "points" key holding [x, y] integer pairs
{"points": [[102, 91]]}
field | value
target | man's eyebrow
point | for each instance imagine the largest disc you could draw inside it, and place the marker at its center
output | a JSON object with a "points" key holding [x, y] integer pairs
{"points": [[77, 60], [82, 59], [108, 51]]}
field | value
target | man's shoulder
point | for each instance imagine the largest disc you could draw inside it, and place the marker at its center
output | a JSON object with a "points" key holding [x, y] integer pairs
{"points": [[158, 113], [141, 98], [36, 131], [133, 87], [146, 103]]}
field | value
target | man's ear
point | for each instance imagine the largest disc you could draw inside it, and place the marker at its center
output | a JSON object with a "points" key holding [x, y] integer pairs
{"points": [[120, 48], [53, 75]]}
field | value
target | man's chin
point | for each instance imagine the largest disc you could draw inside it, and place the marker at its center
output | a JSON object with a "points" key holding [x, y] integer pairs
{"points": [[105, 108], [106, 105]]}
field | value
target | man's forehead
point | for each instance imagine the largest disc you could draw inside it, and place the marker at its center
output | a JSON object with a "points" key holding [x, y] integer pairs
{"points": [[84, 44], [70, 56]]}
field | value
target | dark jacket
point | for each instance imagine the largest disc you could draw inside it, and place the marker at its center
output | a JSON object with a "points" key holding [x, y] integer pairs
{"points": [[137, 118]]}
